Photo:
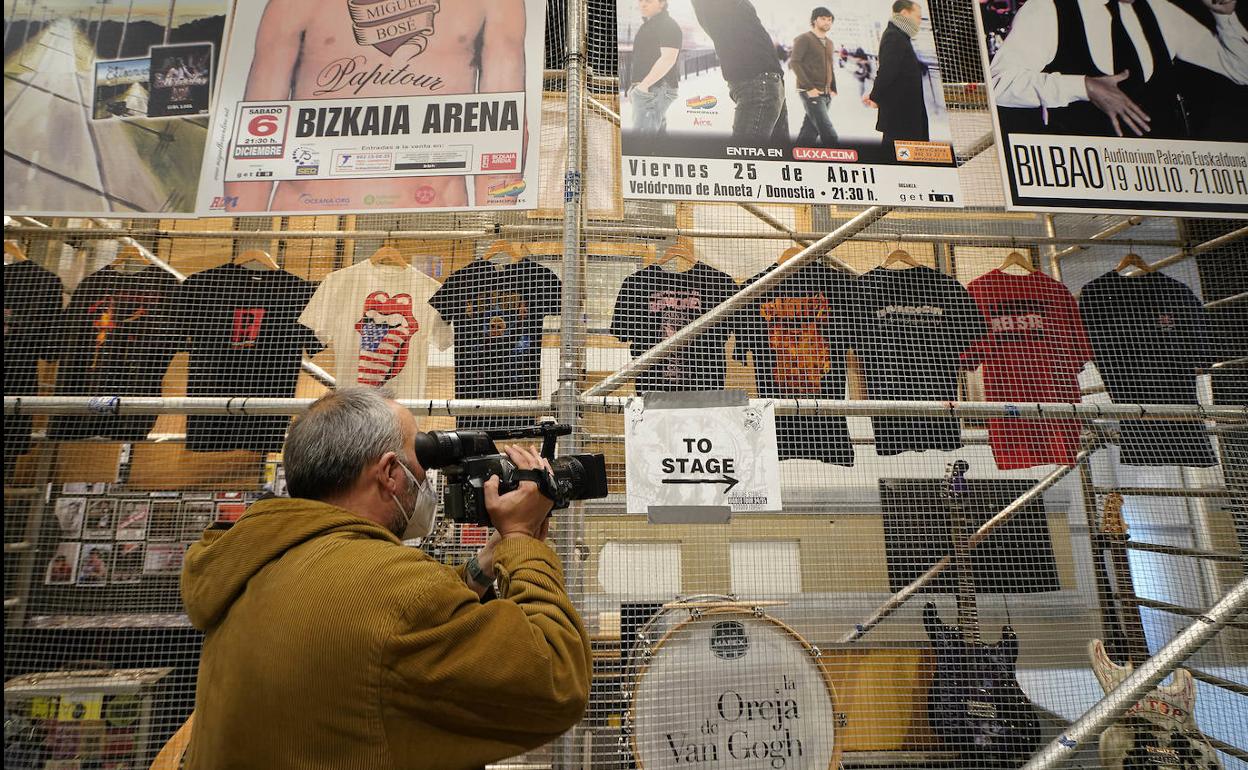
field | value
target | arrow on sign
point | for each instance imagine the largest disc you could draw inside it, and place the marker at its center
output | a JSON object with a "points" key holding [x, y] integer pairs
{"points": [[729, 480]]}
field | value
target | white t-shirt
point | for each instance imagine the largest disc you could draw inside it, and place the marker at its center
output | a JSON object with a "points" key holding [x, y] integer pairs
{"points": [[378, 320]]}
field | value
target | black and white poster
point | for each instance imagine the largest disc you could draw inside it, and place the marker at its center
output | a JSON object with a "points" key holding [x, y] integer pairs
{"points": [[785, 102], [1131, 106]]}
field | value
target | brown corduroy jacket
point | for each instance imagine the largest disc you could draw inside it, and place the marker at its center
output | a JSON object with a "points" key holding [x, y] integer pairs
{"points": [[331, 645]]}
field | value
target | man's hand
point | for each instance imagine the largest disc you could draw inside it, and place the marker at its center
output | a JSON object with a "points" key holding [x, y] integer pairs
{"points": [[523, 511], [1105, 94], [812, 93], [867, 101], [641, 87], [1223, 7]]}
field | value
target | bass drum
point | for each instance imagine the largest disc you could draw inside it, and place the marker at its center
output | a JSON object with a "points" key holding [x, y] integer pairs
{"points": [[725, 683]]}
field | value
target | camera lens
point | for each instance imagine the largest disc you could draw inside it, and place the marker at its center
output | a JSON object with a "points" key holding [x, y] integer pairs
{"points": [[580, 477]]}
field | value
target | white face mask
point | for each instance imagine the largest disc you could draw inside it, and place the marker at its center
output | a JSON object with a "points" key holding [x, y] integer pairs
{"points": [[419, 522]]}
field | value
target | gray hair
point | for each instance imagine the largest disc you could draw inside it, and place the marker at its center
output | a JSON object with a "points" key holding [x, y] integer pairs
{"points": [[342, 432], [903, 5]]}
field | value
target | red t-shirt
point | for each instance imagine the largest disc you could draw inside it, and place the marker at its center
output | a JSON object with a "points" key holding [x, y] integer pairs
{"points": [[1033, 351]]}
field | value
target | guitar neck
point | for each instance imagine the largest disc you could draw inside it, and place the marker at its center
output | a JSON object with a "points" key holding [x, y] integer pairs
{"points": [[1132, 628], [968, 611]]}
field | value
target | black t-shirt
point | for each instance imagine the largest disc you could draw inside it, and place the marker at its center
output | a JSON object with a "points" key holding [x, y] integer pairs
{"points": [[497, 317], [118, 336], [1149, 335], [242, 328], [744, 48], [797, 333], [653, 304], [32, 322], [658, 31], [911, 328]]}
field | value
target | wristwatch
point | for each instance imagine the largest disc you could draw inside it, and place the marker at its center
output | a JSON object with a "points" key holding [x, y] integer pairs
{"points": [[477, 575]]}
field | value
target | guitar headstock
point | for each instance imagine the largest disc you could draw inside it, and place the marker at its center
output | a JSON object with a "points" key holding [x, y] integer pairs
{"points": [[1112, 522], [955, 478]]}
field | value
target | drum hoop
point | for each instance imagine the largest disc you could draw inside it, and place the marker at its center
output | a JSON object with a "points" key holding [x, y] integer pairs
{"points": [[835, 761]]}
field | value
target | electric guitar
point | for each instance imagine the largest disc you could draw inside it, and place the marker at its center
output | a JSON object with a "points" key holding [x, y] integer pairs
{"points": [[1159, 732], [975, 703]]}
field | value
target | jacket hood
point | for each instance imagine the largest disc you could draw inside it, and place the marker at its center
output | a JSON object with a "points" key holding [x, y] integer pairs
{"points": [[218, 567]]}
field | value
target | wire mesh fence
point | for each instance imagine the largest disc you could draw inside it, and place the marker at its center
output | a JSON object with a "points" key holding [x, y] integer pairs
{"points": [[901, 610]]}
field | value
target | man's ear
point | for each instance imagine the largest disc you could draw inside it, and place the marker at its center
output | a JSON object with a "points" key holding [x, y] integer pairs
{"points": [[383, 470]]}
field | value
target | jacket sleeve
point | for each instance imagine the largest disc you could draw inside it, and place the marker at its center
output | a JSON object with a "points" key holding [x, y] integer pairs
{"points": [[887, 73], [800, 63], [516, 669]]}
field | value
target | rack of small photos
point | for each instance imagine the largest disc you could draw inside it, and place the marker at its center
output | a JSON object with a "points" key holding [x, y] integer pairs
{"points": [[108, 536]]}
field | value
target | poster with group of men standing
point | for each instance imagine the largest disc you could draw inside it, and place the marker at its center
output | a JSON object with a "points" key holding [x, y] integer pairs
{"points": [[276, 106], [786, 101]]}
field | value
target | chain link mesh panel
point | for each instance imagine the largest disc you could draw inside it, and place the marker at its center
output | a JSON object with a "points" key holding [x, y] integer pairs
{"points": [[796, 638]]}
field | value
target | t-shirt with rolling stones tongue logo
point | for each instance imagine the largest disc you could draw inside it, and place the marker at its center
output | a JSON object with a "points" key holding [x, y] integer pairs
{"points": [[1150, 334], [1033, 351], [797, 333], [378, 321], [498, 314], [653, 304], [911, 327]]}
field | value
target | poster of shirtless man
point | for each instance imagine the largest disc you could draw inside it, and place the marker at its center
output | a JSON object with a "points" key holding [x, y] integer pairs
{"points": [[377, 105]]}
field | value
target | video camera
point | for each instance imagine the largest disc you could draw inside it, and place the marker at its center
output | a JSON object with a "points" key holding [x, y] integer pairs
{"points": [[468, 457]]}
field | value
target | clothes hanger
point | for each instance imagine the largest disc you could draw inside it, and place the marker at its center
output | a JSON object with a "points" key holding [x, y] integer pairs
{"points": [[507, 248], [13, 253], [900, 256], [1133, 260], [1017, 259], [258, 257], [389, 255], [129, 256], [790, 253], [682, 254]]}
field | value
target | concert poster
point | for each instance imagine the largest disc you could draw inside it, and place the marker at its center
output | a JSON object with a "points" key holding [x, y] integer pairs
{"points": [[725, 119], [90, 127], [358, 105], [1128, 107]]}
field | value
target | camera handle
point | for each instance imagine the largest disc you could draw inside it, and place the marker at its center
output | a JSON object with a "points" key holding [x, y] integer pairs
{"points": [[539, 477]]}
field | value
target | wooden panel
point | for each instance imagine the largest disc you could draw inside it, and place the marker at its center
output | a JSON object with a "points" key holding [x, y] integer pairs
{"points": [[191, 255], [882, 692], [171, 466], [86, 461]]}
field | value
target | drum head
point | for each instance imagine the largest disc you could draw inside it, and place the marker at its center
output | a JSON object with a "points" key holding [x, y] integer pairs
{"points": [[736, 689]]}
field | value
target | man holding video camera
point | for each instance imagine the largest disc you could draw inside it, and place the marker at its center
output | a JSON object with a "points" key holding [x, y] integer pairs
{"points": [[329, 644]]}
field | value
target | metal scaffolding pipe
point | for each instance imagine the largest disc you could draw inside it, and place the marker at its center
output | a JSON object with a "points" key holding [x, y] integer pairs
{"points": [[1195, 553], [976, 409], [1164, 491], [1050, 231], [1243, 295], [1187, 612], [1212, 243], [647, 233], [1233, 363], [1108, 232], [901, 597], [242, 405], [1217, 681], [604, 109], [1143, 679], [825, 244]]}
